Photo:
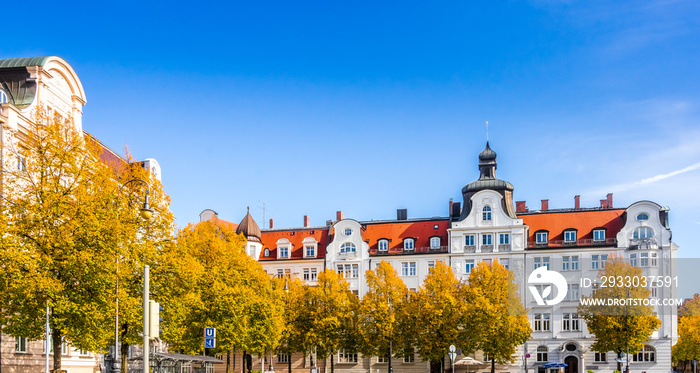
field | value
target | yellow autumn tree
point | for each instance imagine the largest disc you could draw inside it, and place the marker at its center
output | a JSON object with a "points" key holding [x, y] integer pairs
{"points": [[687, 348], [378, 322], [61, 234], [207, 280], [619, 326], [496, 321], [439, 310], [297, 320]]}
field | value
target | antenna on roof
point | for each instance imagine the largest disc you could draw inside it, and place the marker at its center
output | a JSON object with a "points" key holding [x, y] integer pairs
{"points": [[263, 212], [487, 131]]}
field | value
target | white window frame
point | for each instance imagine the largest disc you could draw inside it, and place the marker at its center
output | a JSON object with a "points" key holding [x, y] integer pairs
{"points": [[542, 237], [570, 236], [600, 357], [486, 239], [383, 245], [310, 251], [283, 252], [573, 292], [642, 232], [348, 247], [434, 242], [486, 213], [541, 261], [469, 265], [646, 355], [408, 269], [598, 235], [470, 240], [346, 357], [570, 322], [409, 244], [504, 238], [543, 322], [542, 354], [314, 274], [20, 345]]}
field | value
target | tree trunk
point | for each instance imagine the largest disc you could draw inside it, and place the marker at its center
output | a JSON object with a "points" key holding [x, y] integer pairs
{"points": [[493, 366], [125, 357], [619, 363], [332, 367], [228, 361], [56, 340], [289, 363]]}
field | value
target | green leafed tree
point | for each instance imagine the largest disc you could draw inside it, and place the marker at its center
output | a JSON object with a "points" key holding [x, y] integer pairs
{"points": [[624, 326]]}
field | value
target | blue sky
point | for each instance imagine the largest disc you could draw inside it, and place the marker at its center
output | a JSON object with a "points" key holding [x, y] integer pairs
{"points": [[314, 107]]}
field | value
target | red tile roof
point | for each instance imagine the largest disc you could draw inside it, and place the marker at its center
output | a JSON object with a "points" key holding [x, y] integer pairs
{"points": [[296, 237], [396, 231], [584, 221]]}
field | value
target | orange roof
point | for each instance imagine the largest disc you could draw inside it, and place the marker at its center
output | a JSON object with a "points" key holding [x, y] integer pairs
{"points": [[296, 237], [227, 224], [583, 221], [396, 231]]}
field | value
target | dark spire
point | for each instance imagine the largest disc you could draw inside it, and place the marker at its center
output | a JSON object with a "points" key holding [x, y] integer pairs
{"points": [[249, 228], [487, 163]]}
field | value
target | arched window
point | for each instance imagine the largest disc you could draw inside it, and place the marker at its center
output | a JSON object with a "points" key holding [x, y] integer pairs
{"points": [[643, 232], [486, 213], [643, 216], [348, 247], [647, 354], [3, 97], [267, 253], [408, 244], [542, 353], [383, 245]]}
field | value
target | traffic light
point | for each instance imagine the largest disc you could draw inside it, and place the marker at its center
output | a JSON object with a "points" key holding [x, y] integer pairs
{"points": [[154, 319]]}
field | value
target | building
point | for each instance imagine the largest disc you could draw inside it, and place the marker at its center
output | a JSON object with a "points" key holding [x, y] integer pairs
{"points": [[485, 226], [25, 84]]}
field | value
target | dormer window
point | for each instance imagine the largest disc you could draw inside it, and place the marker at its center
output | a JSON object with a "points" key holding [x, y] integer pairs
{"points": [[266, 253], [486, 213], [408, 244], [434, 242], [310, 247], [283, 248], [542, 237], [348, 247], [643, 216], [570, 236], [283, 251], [598, 235], [383, 245]]}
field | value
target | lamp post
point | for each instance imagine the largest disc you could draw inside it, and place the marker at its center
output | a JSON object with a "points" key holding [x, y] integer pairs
{"points": [[145, 211], [391, 329]]}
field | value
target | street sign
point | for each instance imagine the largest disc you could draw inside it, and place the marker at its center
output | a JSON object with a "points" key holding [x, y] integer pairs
{"points": [[210, 332], [452, 356], [209, 342], [695, 362], [453, 348], [527, 356]]}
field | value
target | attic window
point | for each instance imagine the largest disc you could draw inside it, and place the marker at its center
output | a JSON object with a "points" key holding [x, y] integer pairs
{"points": [[643, 217], [347, 231], [267, 253], [348, 247], [486, 213], [408, 244], [383, 245]]}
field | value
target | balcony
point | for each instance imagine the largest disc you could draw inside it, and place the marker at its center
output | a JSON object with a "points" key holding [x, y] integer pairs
{"points": [[581, 242], [502, 248], [470, 249], [402, 251], [486, 248], [643, 244]]}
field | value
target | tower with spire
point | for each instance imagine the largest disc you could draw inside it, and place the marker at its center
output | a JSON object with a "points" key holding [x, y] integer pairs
{"points": [[250, 229]]}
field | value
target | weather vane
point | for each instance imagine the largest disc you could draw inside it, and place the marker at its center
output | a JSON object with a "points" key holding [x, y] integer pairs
{"points": [[487, 131]]}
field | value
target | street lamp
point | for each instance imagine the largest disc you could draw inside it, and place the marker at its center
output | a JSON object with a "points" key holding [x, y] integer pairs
{"points": [[145, 211]]}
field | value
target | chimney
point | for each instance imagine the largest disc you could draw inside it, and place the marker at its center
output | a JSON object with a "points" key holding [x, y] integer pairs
{"points": [[603, 203], [329, 223], [545, 205], [456, 209], [609, 200], [272, 225], [520, 206], [401, 214], [339, 215], [450, 209], [306, 221], [577, 202]]}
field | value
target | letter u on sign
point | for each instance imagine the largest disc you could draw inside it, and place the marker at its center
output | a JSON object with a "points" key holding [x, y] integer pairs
{"points": [[210, 332]]}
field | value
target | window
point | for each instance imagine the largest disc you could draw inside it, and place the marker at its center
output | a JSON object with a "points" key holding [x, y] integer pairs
{"points": [[431, 265], [283, 358], [408, 244], [347, 231], [648, 353], [383, 359], [542, 322], [504, 262], [348, 247], [469, 240], [598, 261], [572, 292], [434, 242], [570, 322], [599, 235], [383, 245], [408, 269], [486, 213], [542, 262], [283, 251], [569, 263], [347, 357], [570, 236], [409, 358], [542, 353], [3, 97], [654, 292], [280, 273], [633, 260], [643, 217], [21, 163], [307, 274], [349, 270], [648, 259], [487, 261], [310, 251], [468, 266], [20, 344], [643, 232], [600, 357], [83, 352], [541, 237], [486, 239], [314, 274], [504, 239], [266, 253]]}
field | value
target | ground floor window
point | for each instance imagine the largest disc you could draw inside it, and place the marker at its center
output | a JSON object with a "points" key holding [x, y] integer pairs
{"points": [[600, 357], [347, 357], [542, 353], [648, 353], [20, 344]]}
